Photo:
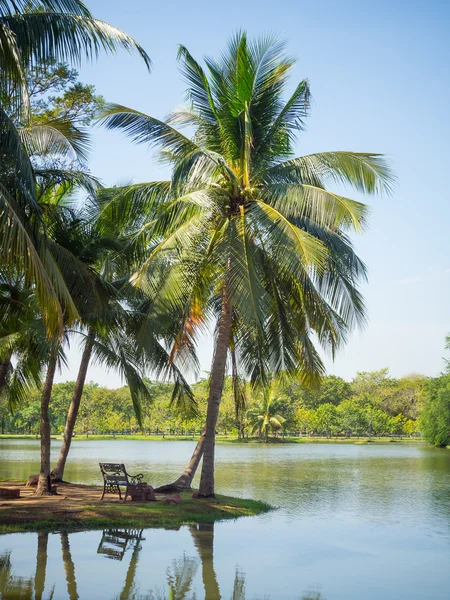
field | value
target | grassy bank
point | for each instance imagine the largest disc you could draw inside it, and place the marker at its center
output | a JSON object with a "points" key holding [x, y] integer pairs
{"points": [[229, 439], [331, 440], [50, 514]]}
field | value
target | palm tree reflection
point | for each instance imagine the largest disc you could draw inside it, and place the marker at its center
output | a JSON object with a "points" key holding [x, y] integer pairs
{"points": [[114, 542], [203, 536], [69, 566], [12, 586]]}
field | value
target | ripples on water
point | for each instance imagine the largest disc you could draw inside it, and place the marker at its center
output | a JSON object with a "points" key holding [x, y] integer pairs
{"points": [[363, 522]]}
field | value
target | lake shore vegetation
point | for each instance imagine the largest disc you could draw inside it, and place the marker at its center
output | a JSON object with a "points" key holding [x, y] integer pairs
{"points": [[372, 405]]}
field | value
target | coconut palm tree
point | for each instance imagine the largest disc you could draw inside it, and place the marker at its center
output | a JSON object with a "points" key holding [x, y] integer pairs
{"points": [[265, 417], [118, 335], [75, 247], [244, 230]]}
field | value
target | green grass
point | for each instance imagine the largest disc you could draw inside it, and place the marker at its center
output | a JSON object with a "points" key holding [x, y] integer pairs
{"points": [[132, 515], [324, 440]]}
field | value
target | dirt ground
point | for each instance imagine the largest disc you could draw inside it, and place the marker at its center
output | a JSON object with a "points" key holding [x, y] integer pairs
{"points": [[69, 500]]}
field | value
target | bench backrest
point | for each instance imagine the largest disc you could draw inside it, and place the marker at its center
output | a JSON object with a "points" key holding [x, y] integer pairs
{"points": [[114, 473]]}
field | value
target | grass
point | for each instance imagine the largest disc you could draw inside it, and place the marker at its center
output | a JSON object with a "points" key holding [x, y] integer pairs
{"points": [[331, 440], [130, 515]]}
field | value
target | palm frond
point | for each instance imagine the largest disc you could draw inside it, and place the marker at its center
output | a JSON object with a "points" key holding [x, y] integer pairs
{"points": [[66, 37]]}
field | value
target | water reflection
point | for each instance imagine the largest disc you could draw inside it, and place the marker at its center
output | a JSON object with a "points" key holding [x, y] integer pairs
{"points": [[12, 586], [126, 545], [69, 566]]}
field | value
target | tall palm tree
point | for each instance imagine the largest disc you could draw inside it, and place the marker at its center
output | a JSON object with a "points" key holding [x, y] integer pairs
{"points": [[31, 32], [244, 229], [75, 246]]}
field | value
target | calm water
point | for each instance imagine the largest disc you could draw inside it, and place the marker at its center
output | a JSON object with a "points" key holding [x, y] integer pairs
{"points": [[354, 522]]}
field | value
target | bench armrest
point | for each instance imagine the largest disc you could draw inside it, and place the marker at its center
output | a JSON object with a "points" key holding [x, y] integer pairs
{"points": [[136, 478]]}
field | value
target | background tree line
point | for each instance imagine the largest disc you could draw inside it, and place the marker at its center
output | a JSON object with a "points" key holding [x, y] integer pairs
{"points": [[372, 404]]}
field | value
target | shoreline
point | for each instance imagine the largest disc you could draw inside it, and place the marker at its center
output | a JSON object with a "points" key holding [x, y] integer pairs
{"points": [[78, 507], [221, 439]]}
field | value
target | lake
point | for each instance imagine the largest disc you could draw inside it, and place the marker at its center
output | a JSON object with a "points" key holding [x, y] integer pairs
{"points": [[362, 522]]}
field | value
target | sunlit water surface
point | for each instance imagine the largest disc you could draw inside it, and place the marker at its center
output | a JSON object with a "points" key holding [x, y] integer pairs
{"points": [[364, 522]]}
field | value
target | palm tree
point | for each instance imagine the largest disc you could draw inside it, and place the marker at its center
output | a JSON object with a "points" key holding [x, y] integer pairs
{"points": [[265, 417], [31, 32], [116, 335], [244, 230], [75, 246]]}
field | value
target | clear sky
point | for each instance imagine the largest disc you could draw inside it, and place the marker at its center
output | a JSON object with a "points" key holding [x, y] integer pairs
{"points": [[380, 79]]}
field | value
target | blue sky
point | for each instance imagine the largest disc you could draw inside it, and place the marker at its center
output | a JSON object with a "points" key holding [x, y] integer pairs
{"points": [[380, 82]]}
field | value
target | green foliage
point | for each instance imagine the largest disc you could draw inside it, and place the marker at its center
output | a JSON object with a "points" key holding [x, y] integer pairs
{"points": [[110, 411], [435, 416], [332, 390], [325, 418]]}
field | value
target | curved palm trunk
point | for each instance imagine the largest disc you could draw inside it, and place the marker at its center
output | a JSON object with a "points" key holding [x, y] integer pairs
{"points": [[215, 395], [69, 567], [44, 484], [58, 471], [184, 482]]}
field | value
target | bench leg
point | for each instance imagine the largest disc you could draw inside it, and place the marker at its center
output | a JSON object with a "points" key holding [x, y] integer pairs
{"points": [[104, 488], [126, 495]]}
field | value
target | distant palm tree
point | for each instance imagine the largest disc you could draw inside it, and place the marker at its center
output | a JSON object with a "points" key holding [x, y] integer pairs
{"points": [[265, 417], [244, 230]]}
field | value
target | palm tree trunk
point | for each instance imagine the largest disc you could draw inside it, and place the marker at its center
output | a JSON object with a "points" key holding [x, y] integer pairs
{"points": [[58, 471], [5, 366], [44, 484], [69, 567], [215, 395], [185, 480]]}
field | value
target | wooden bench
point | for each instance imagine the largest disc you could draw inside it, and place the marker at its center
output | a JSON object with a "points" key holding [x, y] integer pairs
{"points": [[115, 476]]}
